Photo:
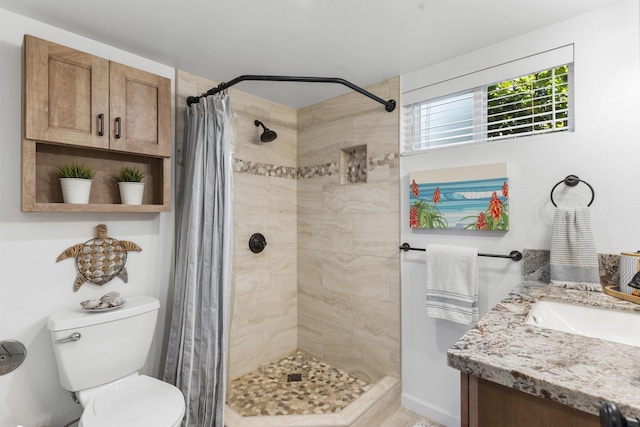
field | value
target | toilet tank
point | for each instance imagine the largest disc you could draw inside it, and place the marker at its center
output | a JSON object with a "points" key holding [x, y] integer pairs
{"points": [[112, 344]]}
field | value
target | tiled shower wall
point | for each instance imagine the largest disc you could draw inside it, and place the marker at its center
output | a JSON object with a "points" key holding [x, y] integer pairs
{"points": [[328, 280], [264, 317], [348, 257]]}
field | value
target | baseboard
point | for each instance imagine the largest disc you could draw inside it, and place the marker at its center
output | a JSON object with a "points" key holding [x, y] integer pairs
{"points": [[434, 413]]}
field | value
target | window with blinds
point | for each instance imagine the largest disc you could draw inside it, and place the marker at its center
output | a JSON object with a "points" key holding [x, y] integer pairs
{"points": [[531, 104]]}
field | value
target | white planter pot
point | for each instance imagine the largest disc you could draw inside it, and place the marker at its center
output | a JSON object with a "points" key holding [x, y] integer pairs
{"points": [[75, 190], [131, 192]]}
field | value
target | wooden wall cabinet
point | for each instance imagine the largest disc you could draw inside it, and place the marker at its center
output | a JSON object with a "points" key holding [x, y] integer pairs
{"points": [[82, 108], [487, 404]]}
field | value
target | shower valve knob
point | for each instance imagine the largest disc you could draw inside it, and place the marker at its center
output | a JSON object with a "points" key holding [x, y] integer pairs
{"points": [[257, 243]]}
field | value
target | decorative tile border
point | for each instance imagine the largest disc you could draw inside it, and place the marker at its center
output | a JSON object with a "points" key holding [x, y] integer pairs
{"points": [[390, 160], [306, 172], [318, 171], [263, 169]]}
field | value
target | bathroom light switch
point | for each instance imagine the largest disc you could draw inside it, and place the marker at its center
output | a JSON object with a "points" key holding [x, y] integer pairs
{"points": [[12, 354]]}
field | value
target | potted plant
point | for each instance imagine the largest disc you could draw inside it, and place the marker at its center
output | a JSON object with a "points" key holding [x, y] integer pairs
{"points": [[129, 179], [75, 180]]}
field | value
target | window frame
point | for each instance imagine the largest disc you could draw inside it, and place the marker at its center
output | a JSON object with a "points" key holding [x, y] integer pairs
{"points": [[422, 87]]}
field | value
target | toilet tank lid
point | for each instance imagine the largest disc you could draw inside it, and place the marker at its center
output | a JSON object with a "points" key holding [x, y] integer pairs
{"points": [[77, 318]]}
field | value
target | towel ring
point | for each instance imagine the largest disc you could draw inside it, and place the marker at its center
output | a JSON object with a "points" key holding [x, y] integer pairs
{"points": [[572, 181]]}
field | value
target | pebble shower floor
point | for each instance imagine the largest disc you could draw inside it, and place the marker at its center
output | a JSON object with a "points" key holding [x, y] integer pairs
{"points": [[266, 391]]}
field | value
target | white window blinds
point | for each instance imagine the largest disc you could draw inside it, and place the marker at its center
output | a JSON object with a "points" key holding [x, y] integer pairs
{"points": [[533, 103]]}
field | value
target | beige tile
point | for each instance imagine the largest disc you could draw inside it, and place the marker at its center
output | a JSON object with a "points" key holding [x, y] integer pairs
{"points": [[377, 404], [310, 340], [247, 352], [262, 310], [284, 340], [359, 275], [283, 117], [351, 105], [252, 193], [325, 232], [378, 174], [365, 197], [394, 279], [284, 195], [309, 117], [283, 269], [404, 417], [382, 410], [318, 309], [186, 84], [377, 321], [376, 234], [204, 84], [252, 272], [395, 368], [309, 264], [309, 195], [366, 360], [394, 190], [321, 145], [379, 131], [281, 229]]}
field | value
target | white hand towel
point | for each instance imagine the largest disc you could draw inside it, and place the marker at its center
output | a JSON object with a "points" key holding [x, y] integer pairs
{"points": [[452, 283], [573, 257]]}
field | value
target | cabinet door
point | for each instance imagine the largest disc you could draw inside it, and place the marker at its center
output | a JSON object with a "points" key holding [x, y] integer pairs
{"points": [[140, 111], [66, 95]]}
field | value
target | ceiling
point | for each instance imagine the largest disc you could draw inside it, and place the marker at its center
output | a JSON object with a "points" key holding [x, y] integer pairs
{"points": [[362, 41]]}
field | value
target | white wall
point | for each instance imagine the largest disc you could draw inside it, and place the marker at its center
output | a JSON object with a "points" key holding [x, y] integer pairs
{"points": [[32, 284], [604, 150]]}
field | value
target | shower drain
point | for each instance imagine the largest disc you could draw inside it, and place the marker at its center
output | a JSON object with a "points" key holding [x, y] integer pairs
{"points": [[294, 377]]}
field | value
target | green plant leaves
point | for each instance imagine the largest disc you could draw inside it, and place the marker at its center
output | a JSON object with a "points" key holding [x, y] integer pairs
{"points": [[76, 170]]}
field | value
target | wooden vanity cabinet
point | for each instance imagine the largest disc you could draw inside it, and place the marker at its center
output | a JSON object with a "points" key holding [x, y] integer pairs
{"points": [[487, 404], [82, 108]]}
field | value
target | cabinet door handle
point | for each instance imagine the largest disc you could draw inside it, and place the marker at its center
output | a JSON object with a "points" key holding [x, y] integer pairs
{"points": [[100, 124], [118, 127]]}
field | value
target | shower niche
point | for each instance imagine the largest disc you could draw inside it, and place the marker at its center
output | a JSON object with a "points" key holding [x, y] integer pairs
{"points": [[353, 165]]}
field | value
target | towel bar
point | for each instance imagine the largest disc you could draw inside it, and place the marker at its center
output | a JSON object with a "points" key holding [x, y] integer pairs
{"points": [[513, 255]]}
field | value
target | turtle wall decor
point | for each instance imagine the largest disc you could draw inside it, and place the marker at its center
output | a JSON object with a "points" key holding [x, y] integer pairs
{"points": [[100, 259]]}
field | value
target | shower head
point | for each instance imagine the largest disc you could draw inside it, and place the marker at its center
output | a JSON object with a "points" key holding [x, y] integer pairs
{"points": [[267, 135]]}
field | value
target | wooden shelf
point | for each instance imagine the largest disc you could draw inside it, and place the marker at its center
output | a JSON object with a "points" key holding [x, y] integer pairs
{"points": [[41, 190]]}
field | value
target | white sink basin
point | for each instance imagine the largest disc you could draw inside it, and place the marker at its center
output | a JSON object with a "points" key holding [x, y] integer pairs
{"points": [[611, 325]]}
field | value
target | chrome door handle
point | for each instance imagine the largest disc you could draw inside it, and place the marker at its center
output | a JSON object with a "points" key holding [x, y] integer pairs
{"points": [[73, 337]]}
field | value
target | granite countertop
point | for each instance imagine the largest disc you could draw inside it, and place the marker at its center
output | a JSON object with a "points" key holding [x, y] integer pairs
{"points": [[577, 371]]}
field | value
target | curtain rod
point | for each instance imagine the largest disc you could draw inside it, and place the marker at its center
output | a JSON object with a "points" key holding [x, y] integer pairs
{"points": [[389, 105]]}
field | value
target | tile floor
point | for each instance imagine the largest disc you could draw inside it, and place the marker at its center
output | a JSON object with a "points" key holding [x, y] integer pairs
{"points": [[266, 391], [403, 417]]}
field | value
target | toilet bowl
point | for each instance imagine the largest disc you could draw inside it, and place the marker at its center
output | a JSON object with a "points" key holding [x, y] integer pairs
{"points": [[99, 355]]}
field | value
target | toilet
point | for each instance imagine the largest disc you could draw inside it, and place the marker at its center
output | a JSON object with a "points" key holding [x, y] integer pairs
{"points": [[99, 354]]}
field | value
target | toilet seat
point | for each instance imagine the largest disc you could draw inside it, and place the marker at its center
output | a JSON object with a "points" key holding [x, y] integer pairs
{"points": [[141, 401]]}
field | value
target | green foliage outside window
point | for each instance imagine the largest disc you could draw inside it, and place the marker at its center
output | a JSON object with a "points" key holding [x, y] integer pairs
{"points": [[531, 103]]}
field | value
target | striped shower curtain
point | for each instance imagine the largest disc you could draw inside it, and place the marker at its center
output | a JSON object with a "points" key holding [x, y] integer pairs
{"points": [[198, 343]]}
